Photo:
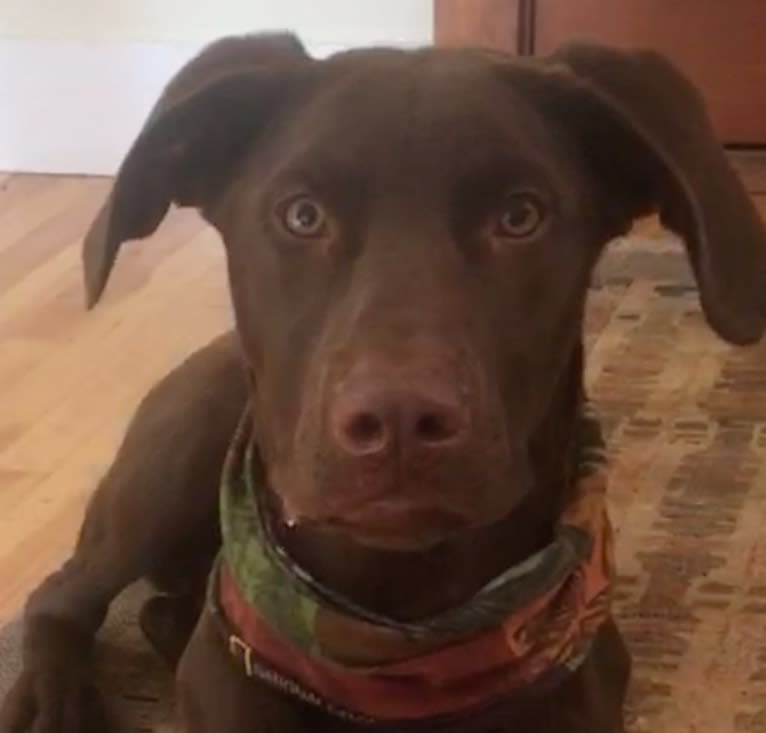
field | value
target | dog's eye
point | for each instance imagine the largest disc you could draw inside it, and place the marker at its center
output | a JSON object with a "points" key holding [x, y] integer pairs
{"points": [[304, 217], [521, 216]]}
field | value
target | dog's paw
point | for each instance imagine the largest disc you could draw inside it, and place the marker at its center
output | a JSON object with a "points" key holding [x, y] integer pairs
{"points": [[59, 701]]}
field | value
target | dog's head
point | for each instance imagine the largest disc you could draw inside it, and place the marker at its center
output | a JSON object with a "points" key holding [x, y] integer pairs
{"points": [[409, 238]]}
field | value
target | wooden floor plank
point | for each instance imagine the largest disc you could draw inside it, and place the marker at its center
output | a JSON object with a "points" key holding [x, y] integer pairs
{"points": [[70, 379]]}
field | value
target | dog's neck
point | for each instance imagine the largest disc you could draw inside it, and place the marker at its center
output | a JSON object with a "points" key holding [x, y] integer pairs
{"points": [[407, 586]]}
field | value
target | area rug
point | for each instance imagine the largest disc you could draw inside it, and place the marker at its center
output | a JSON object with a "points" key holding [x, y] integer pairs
{"points": [[686, 422]]}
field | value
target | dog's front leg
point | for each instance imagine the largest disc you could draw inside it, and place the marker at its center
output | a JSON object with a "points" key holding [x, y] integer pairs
{"points": [[157, 498], [54, 693], [591, 700]]}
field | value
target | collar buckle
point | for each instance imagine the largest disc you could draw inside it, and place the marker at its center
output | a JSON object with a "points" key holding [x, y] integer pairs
{"points": [[240, 650]]}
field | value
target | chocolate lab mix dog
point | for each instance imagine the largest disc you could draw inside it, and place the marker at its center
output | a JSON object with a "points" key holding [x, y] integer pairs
{"points": [[379, 504]]}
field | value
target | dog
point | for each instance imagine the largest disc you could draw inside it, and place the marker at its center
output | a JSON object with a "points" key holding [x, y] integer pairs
{"points": [[393, 447]]}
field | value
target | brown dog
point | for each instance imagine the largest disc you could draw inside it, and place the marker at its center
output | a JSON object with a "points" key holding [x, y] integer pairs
{"points": [[410, 237]]}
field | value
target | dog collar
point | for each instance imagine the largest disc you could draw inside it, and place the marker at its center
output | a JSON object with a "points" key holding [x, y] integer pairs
{"points": [[523, 631]]}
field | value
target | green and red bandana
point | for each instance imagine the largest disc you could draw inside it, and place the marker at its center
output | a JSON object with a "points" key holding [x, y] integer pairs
{"points": [[526, 629]]}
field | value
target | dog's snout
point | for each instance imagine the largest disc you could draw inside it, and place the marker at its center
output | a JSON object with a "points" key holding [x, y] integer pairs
{"points": [[375, 417]]}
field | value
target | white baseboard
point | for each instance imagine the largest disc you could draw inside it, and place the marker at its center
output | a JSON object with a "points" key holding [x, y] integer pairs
{"points": [[74, 107]]}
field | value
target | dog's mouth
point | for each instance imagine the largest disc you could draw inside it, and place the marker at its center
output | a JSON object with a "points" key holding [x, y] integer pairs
{"points": [[399, 524], [414, 515], [388, 523]]}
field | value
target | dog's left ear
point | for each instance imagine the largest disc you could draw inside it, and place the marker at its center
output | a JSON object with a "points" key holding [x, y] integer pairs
{"points": [[196, 135], [647, 127]]}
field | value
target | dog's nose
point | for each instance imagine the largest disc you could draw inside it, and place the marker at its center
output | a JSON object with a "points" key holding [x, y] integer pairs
{"points": [[377, 419]]}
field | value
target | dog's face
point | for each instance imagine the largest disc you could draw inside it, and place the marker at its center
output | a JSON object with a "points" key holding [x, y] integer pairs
{"points": [[408, 258], [409, 238]]}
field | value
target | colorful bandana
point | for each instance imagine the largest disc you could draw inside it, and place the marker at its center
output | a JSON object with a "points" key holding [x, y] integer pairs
{"points": [[527, 629]]}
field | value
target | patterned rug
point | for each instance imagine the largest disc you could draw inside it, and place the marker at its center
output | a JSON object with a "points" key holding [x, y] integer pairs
{"points": [[686, 421]]}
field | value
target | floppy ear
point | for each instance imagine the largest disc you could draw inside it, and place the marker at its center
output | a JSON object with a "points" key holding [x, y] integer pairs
{"points": [[196, 134], [647, 127]]}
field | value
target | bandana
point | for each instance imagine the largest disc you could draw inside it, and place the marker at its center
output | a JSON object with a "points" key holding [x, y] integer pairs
{"points": [[524, 631]]}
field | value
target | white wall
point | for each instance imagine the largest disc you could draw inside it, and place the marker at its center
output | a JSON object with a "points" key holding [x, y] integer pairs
{"points": [[78, 76]]}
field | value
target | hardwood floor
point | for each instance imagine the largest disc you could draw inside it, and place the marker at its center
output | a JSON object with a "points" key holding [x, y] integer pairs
{"points": [[69, 378]]}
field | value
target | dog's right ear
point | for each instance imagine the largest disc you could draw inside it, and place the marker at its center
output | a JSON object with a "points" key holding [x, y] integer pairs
{"points": [[209, 115], [645, 130]]}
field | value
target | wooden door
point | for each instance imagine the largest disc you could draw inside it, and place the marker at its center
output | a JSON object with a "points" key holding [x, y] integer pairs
{"points": [[491, 23], [720, 45]]}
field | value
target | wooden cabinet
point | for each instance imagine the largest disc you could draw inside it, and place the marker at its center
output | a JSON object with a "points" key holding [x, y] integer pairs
{"points": [[492, 23], [720, 45]]}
